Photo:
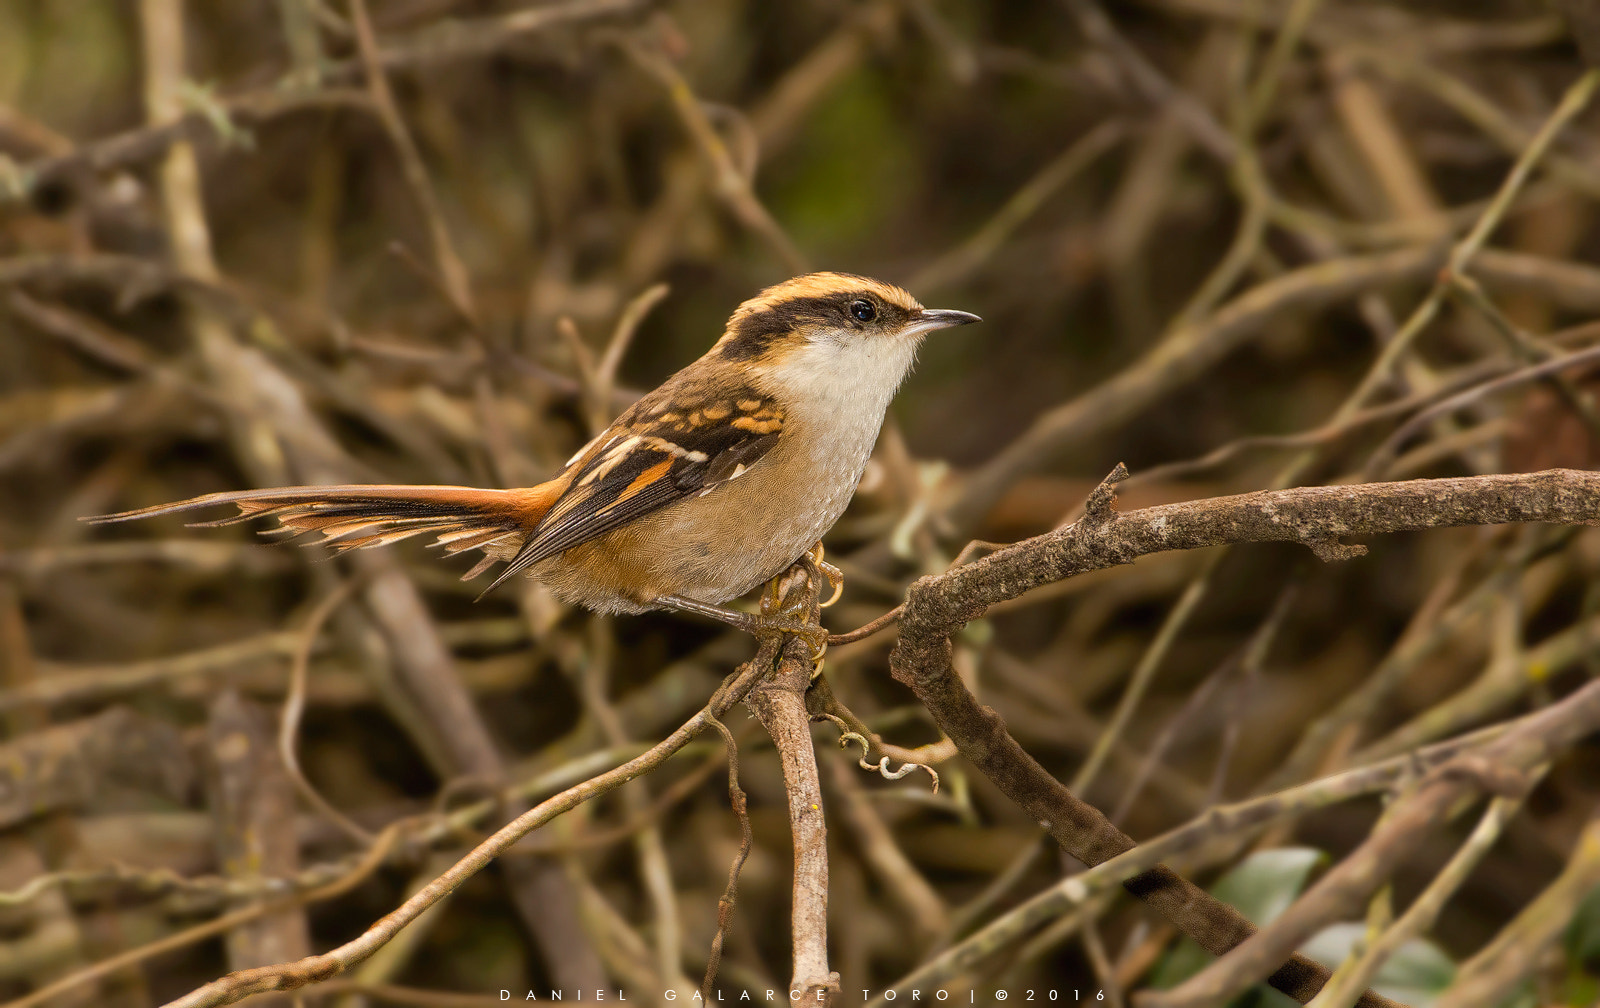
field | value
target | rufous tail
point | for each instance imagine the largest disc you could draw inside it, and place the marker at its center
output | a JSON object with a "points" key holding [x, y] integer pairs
{"points": [[351, 517]]}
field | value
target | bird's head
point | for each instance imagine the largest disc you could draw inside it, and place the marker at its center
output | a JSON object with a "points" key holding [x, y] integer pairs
{"points": [[835, 329]]}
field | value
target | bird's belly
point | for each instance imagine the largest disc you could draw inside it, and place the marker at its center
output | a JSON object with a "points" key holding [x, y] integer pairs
{"points": [[714, 547]]}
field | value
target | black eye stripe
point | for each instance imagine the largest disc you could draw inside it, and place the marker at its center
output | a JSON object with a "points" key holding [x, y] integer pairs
{"points": [[758, 331]]}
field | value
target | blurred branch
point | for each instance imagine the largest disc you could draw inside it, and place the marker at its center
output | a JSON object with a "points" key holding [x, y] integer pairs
{"points": [[1379, 461], [370, 862], [1150, 84], [1350, 978], [1492, 975], [730, 184], [1505, 766], [1241, 819], [63, 683], [252, 801], [446, 42], [961, 262], [289, 976], [1463, 252], [67, 766], [452, 272]]}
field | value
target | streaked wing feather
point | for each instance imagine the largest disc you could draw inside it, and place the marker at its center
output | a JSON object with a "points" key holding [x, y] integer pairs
{"points": [[636, 475]]}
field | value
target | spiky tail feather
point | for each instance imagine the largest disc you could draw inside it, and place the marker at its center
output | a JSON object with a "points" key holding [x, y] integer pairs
{"points": [[351, 517]]}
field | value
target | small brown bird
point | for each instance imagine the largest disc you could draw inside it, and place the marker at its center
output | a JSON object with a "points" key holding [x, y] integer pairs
{"points": [[709, 486]]}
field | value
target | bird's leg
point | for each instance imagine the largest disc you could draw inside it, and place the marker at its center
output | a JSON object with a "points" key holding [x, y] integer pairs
{"points": [[788, 604], [816, 637], [795, 594]]}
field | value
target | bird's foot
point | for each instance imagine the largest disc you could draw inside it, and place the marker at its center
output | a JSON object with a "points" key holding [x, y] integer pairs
{"points": [[815, 637], [783, 619], [789, 605], [834, 575], [792, 598]]}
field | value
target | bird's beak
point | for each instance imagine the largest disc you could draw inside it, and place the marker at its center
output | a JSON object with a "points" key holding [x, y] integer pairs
{"points": [[929, 319]]}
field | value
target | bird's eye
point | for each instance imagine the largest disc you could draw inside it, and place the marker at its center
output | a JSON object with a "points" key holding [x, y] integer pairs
{"points": [[863, 311]]}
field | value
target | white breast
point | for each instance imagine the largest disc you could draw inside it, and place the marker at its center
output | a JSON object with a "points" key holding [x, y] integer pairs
{"points": [[834, 397]]}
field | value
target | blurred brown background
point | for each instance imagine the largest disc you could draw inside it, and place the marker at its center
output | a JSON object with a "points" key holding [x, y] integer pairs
{"points": [[414, 284]]}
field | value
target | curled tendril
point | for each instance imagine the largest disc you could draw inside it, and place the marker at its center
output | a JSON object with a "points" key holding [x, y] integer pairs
{"points": [[846, 736]]}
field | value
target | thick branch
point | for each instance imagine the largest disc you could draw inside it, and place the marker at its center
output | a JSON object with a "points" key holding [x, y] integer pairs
{"points": [[938, 606], [1189, 350]]}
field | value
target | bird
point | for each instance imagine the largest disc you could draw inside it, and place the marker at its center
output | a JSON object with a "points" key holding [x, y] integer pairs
{"points": [[718, 481]]}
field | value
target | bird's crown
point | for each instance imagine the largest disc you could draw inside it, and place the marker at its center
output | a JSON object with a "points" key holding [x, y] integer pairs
{"points": [[797, 308]]}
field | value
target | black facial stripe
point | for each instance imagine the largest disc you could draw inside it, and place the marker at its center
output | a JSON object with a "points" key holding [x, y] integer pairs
{"points": [[755, 333]]}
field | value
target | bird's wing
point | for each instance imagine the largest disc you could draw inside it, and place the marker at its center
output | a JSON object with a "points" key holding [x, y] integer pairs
{"points": [[678, 441], [673, 444]]}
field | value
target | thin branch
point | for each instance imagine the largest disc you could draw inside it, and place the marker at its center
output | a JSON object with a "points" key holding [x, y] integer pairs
{"points": [[730, 893], [937, 606], [294, 706], [1506, 766], [1381, 459], [867, 630], [289, 976], [1223, 821]]}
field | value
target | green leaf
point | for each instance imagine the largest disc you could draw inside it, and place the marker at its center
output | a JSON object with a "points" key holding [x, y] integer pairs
{"points": [[1415, 975], [1583, 934], [1264, 884], [1260, 887]]}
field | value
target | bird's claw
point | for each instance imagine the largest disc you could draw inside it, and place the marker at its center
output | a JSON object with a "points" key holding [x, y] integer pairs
{"points": [[834, 575], [789, 603], [815, 637]]}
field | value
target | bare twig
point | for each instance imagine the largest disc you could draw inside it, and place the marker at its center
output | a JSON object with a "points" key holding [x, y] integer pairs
{"points": [[289, 976], [866, 630], [730, 893], [1504, 765], [1352, 977], [294, 706], [1491, 975]]}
